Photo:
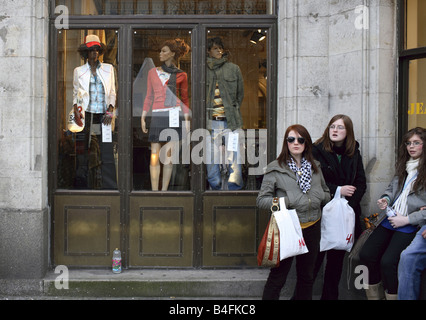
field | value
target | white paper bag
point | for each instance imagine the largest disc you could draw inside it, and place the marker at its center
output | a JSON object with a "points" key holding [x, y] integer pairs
{"points": [[337, 224], [291, 236]]}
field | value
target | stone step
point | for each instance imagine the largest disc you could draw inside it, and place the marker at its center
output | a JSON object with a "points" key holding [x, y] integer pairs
{"points": [[148, 283]]}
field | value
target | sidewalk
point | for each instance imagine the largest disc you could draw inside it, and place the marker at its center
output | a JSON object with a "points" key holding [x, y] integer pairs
{"points": [[156, 284]]}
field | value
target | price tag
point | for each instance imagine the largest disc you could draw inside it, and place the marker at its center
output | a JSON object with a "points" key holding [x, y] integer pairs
{"points": [[174, 118], [233, 141], [106, 133]]}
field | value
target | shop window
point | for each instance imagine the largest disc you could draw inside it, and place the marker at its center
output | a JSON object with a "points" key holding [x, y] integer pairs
{"points": [[232, 140], [412, 64], [87, 154], [415, 24], [167, 7], [417, 93]]}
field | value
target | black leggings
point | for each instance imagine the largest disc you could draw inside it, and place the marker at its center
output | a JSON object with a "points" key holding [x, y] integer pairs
{"points": [[380, 254]]}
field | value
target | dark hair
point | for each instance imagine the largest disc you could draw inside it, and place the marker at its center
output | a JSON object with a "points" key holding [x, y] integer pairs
{"points": [[404, 156], [307, 153], [215, 41], [83, 50], [178, 46], [350, 142]]}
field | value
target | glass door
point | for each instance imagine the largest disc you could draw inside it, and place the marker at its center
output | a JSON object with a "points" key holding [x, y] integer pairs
{"points": [[161, 201], [86, 201]]}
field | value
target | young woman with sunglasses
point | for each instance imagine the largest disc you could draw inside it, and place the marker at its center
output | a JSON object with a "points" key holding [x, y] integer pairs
{"points": [[406, 196], [341, 165], [298, 178]]}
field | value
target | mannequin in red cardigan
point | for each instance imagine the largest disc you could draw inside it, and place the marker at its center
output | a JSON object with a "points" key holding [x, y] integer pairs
{"points": [[167, 94]]}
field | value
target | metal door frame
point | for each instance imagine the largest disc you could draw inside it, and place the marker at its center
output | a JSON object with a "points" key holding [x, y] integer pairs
{"points": [[125, 26]]}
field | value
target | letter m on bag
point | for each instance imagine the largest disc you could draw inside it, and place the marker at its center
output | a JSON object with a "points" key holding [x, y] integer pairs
{"points": [[302, 243]]}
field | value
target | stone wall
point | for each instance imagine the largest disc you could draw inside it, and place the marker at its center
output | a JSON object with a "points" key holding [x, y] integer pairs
{"points": [[23, 138], [339, 57]]}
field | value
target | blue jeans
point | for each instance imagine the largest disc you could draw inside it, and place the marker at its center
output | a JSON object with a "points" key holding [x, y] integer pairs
{"points": [[223, 170], [411, 265]]}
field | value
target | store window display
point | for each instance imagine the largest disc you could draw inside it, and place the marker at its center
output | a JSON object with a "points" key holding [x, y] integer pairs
{"points": [[167, 100], [94, 93], [224, 96]]}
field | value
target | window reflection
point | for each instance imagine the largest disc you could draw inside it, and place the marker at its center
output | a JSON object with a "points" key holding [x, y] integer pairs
{"points": [[161, 109], [87, 109]]}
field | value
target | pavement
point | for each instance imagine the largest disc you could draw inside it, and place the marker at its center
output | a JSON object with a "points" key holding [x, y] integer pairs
{"points": [[155, 284]]}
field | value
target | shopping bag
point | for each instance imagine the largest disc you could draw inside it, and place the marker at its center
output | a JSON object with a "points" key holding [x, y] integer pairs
{"points": [[292, 242], [268, 252], [337, 224]]}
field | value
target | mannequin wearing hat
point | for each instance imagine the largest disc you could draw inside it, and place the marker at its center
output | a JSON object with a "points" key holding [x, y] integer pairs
{"points": [[167, 92], [94, 92]]}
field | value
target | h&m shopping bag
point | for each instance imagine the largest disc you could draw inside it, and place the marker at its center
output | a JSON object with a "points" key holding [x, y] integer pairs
{"points": [[283, 237], [292, 242], [337, 224]]}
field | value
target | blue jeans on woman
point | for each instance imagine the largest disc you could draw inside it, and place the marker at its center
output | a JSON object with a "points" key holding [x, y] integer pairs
{"points": [[410, 268]]}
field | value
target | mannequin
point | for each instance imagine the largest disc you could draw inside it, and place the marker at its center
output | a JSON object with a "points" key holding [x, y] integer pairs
{"points": [[167, 92], [225, 95], [95, 83]]}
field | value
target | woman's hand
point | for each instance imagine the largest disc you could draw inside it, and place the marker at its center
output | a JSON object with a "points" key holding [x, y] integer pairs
{"points": [[398, 221], [382, 203], [347, 191]]}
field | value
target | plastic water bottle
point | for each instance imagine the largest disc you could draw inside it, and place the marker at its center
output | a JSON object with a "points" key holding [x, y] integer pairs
{"points": [[116, 261], [390, 212]]}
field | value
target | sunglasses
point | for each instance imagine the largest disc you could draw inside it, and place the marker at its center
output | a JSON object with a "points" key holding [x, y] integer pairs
{"points": [[293, 139]]}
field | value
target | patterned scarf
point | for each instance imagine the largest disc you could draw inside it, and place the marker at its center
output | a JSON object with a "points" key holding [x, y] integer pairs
{"points": [[303, 174]]}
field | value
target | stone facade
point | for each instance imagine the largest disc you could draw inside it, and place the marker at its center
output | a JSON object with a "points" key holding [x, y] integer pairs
{"points": [[23, 138], [330, 61], [340, 57]]}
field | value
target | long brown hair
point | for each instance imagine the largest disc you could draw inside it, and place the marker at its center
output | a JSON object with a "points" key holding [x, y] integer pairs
{"points": [[307, 153], [404, 156], [350, 142]]}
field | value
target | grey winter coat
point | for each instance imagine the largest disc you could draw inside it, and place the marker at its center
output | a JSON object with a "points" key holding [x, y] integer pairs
{"points": [[281, 182], [415, 201]]}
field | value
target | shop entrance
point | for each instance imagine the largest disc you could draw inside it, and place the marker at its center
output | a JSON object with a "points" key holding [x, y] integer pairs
{"points": [[108, 190]]}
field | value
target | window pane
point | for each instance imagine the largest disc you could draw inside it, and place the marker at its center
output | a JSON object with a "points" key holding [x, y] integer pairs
{"points": [[161, 104], [167, 7], [416, 94], [87, 155], [416, 24], [236, 96]]}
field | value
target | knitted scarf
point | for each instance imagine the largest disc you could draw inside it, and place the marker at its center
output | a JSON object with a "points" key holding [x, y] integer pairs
{"points": [[171, 85], [400, 204], [303, 174]]}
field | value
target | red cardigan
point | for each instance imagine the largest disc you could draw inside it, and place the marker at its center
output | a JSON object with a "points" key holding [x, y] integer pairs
{"points": [[156, 92]]}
